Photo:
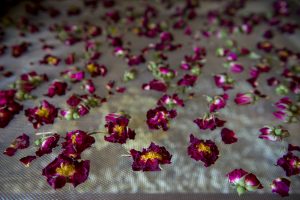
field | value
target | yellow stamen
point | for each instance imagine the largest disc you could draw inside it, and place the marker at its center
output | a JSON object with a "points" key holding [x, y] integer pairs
{"points": [[91, 68], [43, 112], [204, 148], [52, 60], [73, 138], [151, 155], [66, 170], [119, 129], [283, 53]]}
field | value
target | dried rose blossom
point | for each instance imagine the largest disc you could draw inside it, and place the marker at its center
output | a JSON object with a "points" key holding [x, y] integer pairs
{"points": [[217, 102], [276, 133], [21, 142], [73, 74], [224, 81], [89, 86], [281, 186], [18, 49], [151, 158], [203, 150], [95, 69], [157, 85], [161, 71], [209, 121], [187, 80], [28, 82], [44, 114], [50, 60], [135, 59], [284, 54], [265, 46], [64, 170], [47, 144], [27, 160], [245, 98], [243, 181], [118, 130], [170, 101], [290, 163], [76, 142], [159, 117], [57, 88], [287, 110], [236, 68], [71, 58], [228, 136]]}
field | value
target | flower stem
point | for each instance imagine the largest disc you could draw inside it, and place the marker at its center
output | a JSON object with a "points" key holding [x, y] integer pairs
{"points": [[44, 133], [95, 132]]}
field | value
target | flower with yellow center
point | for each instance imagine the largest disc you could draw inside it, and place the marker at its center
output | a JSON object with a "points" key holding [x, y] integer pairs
{"points": [[66, 170], [203, 148], [151, 155], [91, 68], [52, 60], [43, 112]]}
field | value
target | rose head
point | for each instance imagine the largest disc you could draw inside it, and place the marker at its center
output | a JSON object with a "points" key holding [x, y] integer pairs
{"points": [[57, 88], [159, 118], [290, 163], [118, 130], [217, 102], [96, 70], [287, 110], [150, 159], [205, 151], [273, 133], [170, 101], [76, 142], [64, 170], [245, 98], [224, 81], [44, 114], [281, 186], [156, 85], [47, 145], [187, 81], [209, 121]]}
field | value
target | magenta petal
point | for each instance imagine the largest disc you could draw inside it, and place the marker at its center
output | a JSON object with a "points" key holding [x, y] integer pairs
{"points": [[228, 136]]}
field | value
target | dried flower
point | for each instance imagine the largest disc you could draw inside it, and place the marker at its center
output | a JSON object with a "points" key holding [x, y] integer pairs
{"points": [[281, 186], [64, 170], [290, 163], [151, 158], [203, 150], [209, 121], [118, 130], [276, 133], [44, 114], [159, 118]]}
